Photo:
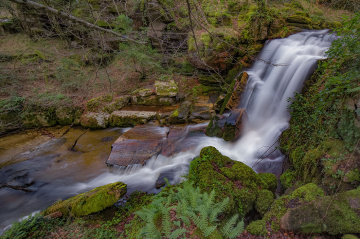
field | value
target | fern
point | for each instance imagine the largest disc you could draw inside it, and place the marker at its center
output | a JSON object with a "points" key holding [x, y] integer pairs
{"points": [[192, 208]]}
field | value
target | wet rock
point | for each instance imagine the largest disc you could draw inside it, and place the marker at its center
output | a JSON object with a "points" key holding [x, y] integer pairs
{"points": [[90, 202], [229, 128], [179, 139], [93, 120], [238, 89], [130, 118], [137, 145], [166, 88]]}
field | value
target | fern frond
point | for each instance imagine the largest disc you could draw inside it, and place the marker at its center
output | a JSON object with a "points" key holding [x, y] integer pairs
{"points": [[166, 220], [226, 230], [208, 230], [237, 230], [178, 232]]}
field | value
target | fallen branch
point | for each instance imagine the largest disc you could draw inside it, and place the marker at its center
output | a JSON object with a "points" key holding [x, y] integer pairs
{"points": [[72, 148]]}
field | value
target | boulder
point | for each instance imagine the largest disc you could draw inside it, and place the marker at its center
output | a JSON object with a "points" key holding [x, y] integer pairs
{"points": [[43, 118], [166, 88], [153, 100], [107, 103], [229, 128], [233, 179], [338, 214], [94, 120], [137, 145], [202, 109], [181, 114], [65, 115], [130, 118], [90, 202]]}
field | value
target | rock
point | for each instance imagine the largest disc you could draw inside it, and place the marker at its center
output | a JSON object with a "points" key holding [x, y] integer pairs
{"points": [[174, 145], [153, 100], [130, 118], [264, 201], [279, 207], [90, 202], [96, 104], [229, 128], [44, 118], [137, 145], [202, 109], [270, 180], [181, 114], [233, 179], [117, 104], [239, 88], [166, 88], [107, 103], [338, 214], [94, 120], [65, 116]]}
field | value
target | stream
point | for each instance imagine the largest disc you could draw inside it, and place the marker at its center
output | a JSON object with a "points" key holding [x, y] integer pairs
{"points": [[38, 168]]}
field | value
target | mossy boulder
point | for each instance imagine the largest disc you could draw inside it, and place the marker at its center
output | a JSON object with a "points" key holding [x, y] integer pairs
{"points": [[349, 236], [264, 201], [65, 115], [153, 100], [90, 202], [168, 88], [338, 214], [95, 104], [257, 228], [93, 120], [287, 179], [117, 104], [280, 206], [39, 118], [271, 180], [228, 178]]}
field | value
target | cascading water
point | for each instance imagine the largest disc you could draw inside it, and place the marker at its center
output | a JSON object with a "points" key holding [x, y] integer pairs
{"points": [[265, 100]]}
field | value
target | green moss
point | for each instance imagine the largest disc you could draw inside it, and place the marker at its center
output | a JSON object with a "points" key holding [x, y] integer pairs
{"points": [[308, 192], [270, 179], [349, 236], [228, 178], [94, 104], [264, 201], [257, 228], [287, 179], [89, 202], [40, 54], [175, 113]]}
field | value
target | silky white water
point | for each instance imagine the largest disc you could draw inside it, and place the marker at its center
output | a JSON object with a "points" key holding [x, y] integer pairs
{"points": [[283, 67]]}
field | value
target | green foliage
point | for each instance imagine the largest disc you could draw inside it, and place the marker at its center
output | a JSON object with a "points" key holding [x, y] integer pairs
{"points": [[191, 207], [140, 58], [123, 24], [34, 226]]}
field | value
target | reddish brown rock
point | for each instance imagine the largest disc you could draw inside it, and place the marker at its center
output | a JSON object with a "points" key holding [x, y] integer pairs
{"points": [[137, 145]]}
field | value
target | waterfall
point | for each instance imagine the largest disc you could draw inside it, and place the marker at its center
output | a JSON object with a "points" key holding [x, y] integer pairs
{"points": [[283, 67]]}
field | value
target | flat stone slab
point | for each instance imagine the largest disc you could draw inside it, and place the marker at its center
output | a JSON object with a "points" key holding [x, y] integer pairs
{"points": [[130, 118], [137, 145]]}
